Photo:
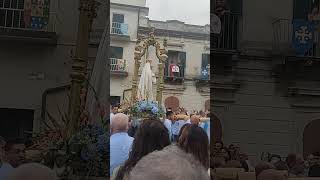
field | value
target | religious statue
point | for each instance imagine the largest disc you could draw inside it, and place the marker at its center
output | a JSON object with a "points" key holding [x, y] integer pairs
{"points": [[145, 91]]}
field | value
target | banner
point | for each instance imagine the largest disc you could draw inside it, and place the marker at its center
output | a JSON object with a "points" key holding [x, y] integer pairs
{"points": [[303, 36], [36, 14]]}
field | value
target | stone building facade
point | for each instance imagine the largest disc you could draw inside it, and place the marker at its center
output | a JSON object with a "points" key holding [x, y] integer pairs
{"points": [[188, 44], [36, 62], [264, 96]]}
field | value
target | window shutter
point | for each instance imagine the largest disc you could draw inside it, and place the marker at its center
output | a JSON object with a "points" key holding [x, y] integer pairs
{"points": [[205, 60], [183, 57]]}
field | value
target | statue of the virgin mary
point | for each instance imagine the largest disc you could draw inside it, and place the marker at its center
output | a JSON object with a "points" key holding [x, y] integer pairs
{"points": [[145, 91]]}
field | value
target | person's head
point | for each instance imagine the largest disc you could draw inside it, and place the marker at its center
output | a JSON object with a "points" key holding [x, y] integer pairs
{"points": [[171, 163], [120, 123], [185, 126], [195, 120], [33, 171], [262, 166], [271, 174], [170, 115], [194, 140], [151, 135], [115, 109], [291, 160], [15, 152], [218, 146]]}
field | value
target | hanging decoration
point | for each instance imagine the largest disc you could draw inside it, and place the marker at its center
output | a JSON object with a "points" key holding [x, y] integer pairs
{"points": [[36, 14]]}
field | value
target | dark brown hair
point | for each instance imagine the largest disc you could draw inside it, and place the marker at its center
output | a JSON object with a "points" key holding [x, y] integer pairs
{"points": [[151, 135], [194, 140]]}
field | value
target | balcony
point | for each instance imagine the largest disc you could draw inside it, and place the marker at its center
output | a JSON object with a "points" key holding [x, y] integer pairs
{"points": [[118, 67], [119, 31], [228, 38], [16, 26]]}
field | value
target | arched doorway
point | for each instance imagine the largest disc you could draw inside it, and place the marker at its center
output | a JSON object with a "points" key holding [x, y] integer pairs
{"points": [[172, 102], [207, 105], [311, 131], [216, 134]]}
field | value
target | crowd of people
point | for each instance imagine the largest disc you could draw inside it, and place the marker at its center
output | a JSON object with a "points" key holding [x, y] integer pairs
{"points": [[14, 165], [174, 148], [272, 167]]}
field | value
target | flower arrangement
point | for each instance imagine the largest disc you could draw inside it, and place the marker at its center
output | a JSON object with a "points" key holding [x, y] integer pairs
{"points": [[90, 147], [145, 109]]}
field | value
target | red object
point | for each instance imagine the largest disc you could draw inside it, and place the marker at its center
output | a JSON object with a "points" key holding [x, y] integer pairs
{"points": [[173, 68]]}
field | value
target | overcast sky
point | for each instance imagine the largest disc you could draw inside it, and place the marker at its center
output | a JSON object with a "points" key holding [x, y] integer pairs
{"points": [[195, 12]]}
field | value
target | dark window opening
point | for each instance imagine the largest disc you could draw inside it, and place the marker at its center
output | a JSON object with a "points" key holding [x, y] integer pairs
{"points": [[175, 66], [16, 123]]}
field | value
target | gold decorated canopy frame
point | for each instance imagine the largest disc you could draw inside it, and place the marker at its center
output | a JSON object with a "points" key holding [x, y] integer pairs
{"points": [[141, 48]]}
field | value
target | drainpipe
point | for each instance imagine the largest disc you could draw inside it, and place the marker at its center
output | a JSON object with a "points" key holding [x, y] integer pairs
{"points": [[138, 22]]}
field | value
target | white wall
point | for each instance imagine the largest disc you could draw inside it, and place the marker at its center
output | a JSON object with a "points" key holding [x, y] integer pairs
{"points": [[130, 18]]}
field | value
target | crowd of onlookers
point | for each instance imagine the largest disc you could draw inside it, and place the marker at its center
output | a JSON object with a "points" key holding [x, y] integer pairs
{"points": [[14, 165], [174, 148], [272, 167]]}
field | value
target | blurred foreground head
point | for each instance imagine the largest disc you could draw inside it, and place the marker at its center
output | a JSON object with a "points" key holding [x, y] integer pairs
{"points": [[171, 163], [33, 171]]}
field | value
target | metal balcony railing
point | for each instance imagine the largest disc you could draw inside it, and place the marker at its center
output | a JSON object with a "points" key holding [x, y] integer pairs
{"points": [[15, 18], [119, 28], [228, 38], [118, 65]]}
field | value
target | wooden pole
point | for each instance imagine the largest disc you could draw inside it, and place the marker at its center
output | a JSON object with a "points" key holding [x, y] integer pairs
{"points": [[79, 64]]}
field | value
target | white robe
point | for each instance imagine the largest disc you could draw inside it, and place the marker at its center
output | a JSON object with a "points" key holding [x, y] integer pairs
{"points": [[145, 84]]}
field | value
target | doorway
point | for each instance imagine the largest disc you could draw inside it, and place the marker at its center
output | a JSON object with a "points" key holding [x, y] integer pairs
{"points": [[16, 123]]}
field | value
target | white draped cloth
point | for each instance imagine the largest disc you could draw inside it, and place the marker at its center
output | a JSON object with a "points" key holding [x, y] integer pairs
{"points": [[145, 91], [98, 90]]}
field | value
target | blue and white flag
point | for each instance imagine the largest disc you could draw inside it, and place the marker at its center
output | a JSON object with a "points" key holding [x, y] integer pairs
{"points": [[302, 37]]}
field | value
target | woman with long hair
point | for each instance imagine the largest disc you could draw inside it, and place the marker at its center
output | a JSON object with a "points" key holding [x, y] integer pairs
{"points": [[194, 140], [151, 135]]}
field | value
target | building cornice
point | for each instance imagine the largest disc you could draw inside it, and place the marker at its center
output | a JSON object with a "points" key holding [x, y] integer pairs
{"points": [[132, 7]]}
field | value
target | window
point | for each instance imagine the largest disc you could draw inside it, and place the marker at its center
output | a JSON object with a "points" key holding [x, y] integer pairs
{"points": [[205, 66], [119, 18], [116, 52], [118, 25], [21, 14], [12, 13], [176, 64], [117, 63]]}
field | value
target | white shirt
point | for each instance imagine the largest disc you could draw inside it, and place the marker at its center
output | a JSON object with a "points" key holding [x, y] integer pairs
{"points": [[177, 126], [111, 117], [5, 170], [188, 122], [167, 123]]}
